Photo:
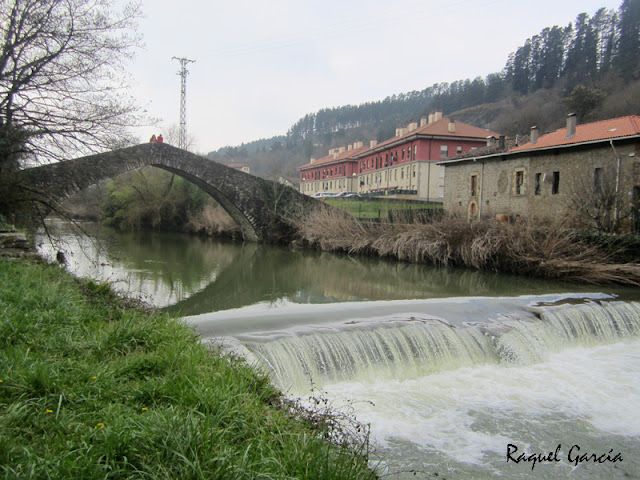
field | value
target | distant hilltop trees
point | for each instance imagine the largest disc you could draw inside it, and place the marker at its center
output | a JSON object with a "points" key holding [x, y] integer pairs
{"points": [[591, 67]]}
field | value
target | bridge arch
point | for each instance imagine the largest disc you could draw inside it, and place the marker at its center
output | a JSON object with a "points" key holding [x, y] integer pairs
{"points": [[263, 209]]}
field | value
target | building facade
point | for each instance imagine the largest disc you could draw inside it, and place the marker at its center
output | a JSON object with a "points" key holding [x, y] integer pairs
{"points": [[405, 164], [243, 167], [546, 176], [334, 173]]}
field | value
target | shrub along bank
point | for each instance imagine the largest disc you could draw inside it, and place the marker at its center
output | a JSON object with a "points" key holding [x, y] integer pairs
{"points": [[523, 249], [92, 389]]}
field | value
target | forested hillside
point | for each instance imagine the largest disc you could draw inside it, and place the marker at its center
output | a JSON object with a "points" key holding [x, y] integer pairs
{"points": [[590, 67]]}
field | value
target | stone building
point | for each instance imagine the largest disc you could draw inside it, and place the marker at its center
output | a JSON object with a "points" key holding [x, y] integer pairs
{"points": [[547, 176], [405, 164]]}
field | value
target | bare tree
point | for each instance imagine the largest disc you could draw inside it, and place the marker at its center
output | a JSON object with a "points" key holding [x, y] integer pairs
{"points": [[62, 79], [597, 201], [171, 135]]}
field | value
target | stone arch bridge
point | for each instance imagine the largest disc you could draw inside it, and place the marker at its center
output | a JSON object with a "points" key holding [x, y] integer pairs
{"points": [[263, 209]]}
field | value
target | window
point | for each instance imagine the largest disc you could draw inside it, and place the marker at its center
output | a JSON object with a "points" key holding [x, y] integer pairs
{"points": [[403, 154], [473, 210], [474, 185], [415, 152], [555, 188], [444, 151], [519, 182], [441, 171], [597, 180], [538, 184], [459, 149]]}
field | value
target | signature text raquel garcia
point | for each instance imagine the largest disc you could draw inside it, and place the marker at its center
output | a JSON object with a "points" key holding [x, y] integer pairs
{"points": [[574, 456]]}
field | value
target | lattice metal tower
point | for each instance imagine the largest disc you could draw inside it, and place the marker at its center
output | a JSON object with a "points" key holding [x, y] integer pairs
{"points": [[182, 134]]}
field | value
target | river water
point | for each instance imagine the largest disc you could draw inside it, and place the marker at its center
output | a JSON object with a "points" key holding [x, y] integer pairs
{"points": [[457, 372]]}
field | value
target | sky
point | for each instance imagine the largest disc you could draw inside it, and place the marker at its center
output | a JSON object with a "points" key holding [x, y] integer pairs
{"points": [[262, 65]]}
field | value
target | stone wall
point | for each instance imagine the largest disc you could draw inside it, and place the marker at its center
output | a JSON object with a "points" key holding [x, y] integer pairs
{"points": [[497, 194]]}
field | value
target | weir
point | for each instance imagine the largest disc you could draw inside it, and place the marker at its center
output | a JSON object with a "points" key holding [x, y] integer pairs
{"points": [[417, 347]]}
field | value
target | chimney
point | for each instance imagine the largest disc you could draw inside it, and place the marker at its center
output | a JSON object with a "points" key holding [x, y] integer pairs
{"points": [[403, 131], [437, 116], [341, 150], [571, 125], [534, 135], [430, 118], [349, 147], [491, 141], [412, 126], [398, 132], [502, 143], [452, 126], [357, 145], [373, 143], [312, 161], [423, 121]]}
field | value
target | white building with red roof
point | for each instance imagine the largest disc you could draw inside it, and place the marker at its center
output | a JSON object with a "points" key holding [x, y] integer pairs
{"points": [[403, 165], [545, 175]]}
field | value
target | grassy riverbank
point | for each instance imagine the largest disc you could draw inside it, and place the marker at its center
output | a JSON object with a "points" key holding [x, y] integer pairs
{"points": [[378, 208], [92, 389], [524, 249]]}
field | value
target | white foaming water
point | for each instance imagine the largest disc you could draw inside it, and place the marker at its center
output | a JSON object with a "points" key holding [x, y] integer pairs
{"points": [[447, 388], [583, 396], [450, 399], [422, 346]]}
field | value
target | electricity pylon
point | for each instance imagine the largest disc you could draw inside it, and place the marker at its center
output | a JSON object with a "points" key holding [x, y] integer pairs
{"points": [[182, 134]]}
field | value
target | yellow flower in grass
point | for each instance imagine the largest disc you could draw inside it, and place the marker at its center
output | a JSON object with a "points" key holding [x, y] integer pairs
{"points": [[99, 425], [49, 411], [144, 409], [93, 378]]}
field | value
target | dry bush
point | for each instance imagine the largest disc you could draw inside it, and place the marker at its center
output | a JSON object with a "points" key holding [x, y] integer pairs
{"points": [[548, 251], [213, 220]]}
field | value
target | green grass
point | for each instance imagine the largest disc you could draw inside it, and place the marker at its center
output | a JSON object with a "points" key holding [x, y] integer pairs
{"points": [[375, 208], [92, 389]]}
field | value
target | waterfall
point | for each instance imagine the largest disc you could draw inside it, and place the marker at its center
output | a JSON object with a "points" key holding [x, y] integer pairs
{"points": [[416, 348]]}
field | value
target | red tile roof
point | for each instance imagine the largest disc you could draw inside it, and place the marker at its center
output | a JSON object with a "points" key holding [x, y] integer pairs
{"points": [[440, 128], [346, 155], [589, 132]]}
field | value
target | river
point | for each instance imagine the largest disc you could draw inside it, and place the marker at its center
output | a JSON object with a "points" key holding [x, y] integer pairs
{"points": [[457, 372]]}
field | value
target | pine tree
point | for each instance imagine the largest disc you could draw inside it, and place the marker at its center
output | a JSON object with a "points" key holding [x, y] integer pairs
{"points": [[627, 59]]}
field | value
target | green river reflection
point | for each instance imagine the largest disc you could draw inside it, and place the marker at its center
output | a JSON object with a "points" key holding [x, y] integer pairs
{"points": [[191, 275]]}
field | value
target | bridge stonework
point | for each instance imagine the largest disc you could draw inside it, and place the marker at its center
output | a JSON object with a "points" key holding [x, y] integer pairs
{"points": [[263, 209]]}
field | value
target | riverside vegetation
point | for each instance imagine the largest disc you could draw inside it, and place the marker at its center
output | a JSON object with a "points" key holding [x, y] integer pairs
{"points": [[91, 388], [547, 251]]}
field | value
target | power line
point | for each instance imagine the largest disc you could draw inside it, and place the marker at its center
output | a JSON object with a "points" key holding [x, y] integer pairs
{"points": [[183, 72]]}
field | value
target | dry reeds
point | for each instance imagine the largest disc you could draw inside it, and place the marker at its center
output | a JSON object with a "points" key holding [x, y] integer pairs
{"points": [[525, 248], [212, 220]]}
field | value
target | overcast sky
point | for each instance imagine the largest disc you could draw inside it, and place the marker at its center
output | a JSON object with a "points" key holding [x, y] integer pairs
{"points": [[260, 65]]}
